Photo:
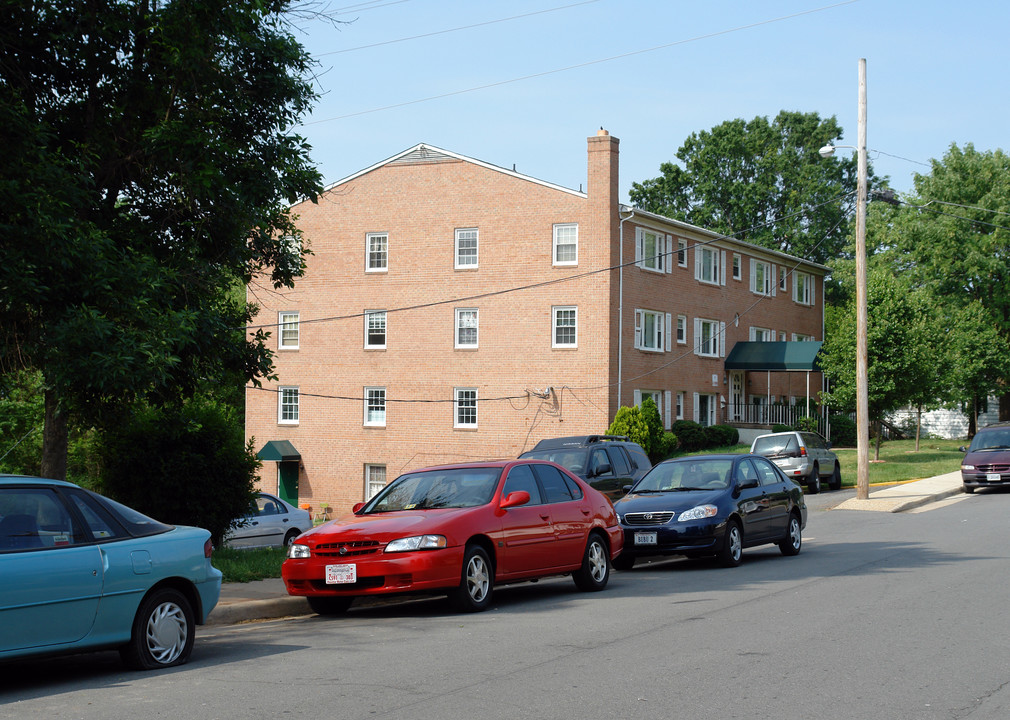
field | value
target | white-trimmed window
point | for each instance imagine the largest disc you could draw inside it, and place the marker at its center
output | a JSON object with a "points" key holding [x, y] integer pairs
{"points": [[652, 250], [566, 244], [705, 407], [803, 288], [800, 337], [761, 277], [736, 266], [464, 407], [375, 406], [708, 337], [758, 334], [287, 330], [466, 248], [565, 324], [287, 406], [681, 329], [375, 480], [782, 279], [682, 252], [466, 328], [652, 330], [680, 405], [708, 265], [375, 329], [782, 335], [376, 252]]}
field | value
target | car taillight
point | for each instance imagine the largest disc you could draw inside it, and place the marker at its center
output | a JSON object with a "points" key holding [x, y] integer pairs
{"points": [[208, 549], [803, 452]]}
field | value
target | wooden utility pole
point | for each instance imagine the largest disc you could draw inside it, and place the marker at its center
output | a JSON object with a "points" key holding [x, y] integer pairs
{"points": [[862, 393]]}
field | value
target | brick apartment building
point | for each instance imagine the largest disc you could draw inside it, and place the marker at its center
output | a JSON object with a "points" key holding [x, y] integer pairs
{"points": [[454, 310]]}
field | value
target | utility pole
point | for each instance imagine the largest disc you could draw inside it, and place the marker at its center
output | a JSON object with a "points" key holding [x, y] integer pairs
{"points": [[862, 393]]}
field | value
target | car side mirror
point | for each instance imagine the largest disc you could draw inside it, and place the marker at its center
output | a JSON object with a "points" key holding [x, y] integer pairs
{"points": [[963, 449], [515, 499], [747, 484], [602, 469], [356, 507]]}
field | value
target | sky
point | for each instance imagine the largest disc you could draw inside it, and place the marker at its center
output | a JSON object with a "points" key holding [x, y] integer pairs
{"points": [[524, 83]]}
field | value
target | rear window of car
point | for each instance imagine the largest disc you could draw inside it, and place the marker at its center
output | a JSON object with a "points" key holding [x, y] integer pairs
{"points": [[774, 444]]}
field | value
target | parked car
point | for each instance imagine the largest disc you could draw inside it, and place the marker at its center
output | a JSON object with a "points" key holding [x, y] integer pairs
{"points": [[271, 522], [711, 505], [987, 459], [610, 463], [803, 456], [461, 530], [82, 572]]}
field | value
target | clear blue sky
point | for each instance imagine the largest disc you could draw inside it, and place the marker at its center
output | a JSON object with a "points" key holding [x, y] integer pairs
{"points": [[493, 84]]}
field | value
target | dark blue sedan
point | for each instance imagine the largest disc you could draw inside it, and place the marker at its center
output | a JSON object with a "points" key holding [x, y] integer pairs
{"points": [[714, 505]]}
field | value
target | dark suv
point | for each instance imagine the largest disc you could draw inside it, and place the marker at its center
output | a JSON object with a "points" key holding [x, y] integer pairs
{"points": [[607, 462]]}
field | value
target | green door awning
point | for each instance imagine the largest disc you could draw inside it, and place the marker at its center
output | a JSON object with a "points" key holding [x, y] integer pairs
{"points": [[279, 451], [775, 356]]}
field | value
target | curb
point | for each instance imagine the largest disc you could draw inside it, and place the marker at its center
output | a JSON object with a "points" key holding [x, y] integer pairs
{"points": [[246, 610]]}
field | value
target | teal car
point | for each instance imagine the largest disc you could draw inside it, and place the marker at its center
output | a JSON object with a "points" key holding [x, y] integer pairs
{"points": [[82, 572]]}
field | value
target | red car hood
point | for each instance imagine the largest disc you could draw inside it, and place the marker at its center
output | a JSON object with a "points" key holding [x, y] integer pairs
{"points": [[383, 527]]}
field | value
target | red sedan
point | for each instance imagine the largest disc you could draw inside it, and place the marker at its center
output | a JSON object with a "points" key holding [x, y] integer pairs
{"points": [[460, 529]]}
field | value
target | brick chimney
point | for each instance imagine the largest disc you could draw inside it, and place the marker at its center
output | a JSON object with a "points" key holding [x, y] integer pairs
{"points": [[602, 189]]}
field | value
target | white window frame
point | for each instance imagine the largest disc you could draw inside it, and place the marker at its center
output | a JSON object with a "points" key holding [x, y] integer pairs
{"points": [[658, 339], [463, 399], [760, 334], [380, 254], [563, 241], [682, 329], [288, 331], [716, 260], [288, 405], [461, 314], [713, 405], [803, 288], [377, 315], [374, 479], [569, 311], [682, 252], [761, 282], [800, 337], [783, 282], [680, 404], [660, 259], [715, 346], [467, 261], [374, 407]]}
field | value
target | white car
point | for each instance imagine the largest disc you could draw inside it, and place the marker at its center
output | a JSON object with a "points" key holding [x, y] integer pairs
{"points": [[806, 457], [274, 523]]}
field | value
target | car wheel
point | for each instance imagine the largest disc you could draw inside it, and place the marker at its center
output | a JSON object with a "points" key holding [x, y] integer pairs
{"points": [[814, 482], [595, 570], [731, 551], [624, 561], [836, 478], [163, 632], [476, 584], [793, 541], [968, 489], [323, 605], [289, 539]]}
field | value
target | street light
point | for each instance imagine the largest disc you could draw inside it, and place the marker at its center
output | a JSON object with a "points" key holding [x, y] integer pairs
{"points": [[862, 394]]}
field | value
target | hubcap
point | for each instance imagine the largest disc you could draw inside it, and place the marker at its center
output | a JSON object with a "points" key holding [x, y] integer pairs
{"points": [[597, 562], [166, 632], [477, 579], [794, 533], [735, 544]]}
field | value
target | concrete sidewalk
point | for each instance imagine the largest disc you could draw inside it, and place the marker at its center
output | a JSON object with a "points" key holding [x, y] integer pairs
{"points": [[267, 599]]}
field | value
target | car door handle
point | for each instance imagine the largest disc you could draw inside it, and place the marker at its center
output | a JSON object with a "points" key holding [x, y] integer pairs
{"points": [[587, 512], [545, 517]]}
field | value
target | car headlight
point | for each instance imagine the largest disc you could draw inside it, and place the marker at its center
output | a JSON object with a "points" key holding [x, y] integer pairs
{"points": [[699, 513], [418, 542], [299, 551], [967, 467]]}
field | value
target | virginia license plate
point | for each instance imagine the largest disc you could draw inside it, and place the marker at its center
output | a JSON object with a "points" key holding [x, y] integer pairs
{"points": [[341, 574], [645, 538], [992, 477]]}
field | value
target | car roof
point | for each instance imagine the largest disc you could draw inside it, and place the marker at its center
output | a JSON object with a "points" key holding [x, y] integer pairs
{"points": [[712, 456], [32, 480], [578, 441]]}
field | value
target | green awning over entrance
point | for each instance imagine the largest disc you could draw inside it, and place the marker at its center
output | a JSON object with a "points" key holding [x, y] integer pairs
{"points": [[775, 356], [279, 451]]}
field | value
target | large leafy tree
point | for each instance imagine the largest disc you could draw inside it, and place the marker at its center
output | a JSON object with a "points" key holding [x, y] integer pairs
{"points": [[148, 164], [762, 181]]}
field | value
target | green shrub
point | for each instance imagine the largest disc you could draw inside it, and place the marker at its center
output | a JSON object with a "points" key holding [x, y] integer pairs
{"points": [[667, 444], [843, 431], [650, 413], [808, 423], [629, 421], [722, 435], [690, 434], [779, 427]]}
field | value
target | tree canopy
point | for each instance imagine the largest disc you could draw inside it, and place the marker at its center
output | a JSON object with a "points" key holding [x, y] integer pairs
{"points": [[149, 165], [762, 181]]}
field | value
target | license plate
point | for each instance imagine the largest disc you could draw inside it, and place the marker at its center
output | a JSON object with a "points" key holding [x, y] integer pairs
{"points": [[645, 538], [992, 477], [341, 574]]}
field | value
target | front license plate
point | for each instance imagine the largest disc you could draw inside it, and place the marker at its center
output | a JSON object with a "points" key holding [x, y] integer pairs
{"points": [[992, 477], [645, 538], [341, 574]]}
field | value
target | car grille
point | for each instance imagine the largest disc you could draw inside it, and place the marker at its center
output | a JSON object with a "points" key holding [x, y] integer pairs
{"points": [[648, 518], [347, 549], [993, 468]]}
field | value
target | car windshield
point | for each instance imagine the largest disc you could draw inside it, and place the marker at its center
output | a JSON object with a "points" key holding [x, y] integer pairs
{"points": [[687, 474], [774, 444], [445, 488], [991, 440], [574, 460]]}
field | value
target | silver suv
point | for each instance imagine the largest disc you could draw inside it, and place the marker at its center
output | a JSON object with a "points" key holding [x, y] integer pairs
{"points": [[803, 456]]}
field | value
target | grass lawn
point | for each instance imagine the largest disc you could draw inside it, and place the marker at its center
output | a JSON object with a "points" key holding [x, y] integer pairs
{"points": [[248, 565], [899, 461]]}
